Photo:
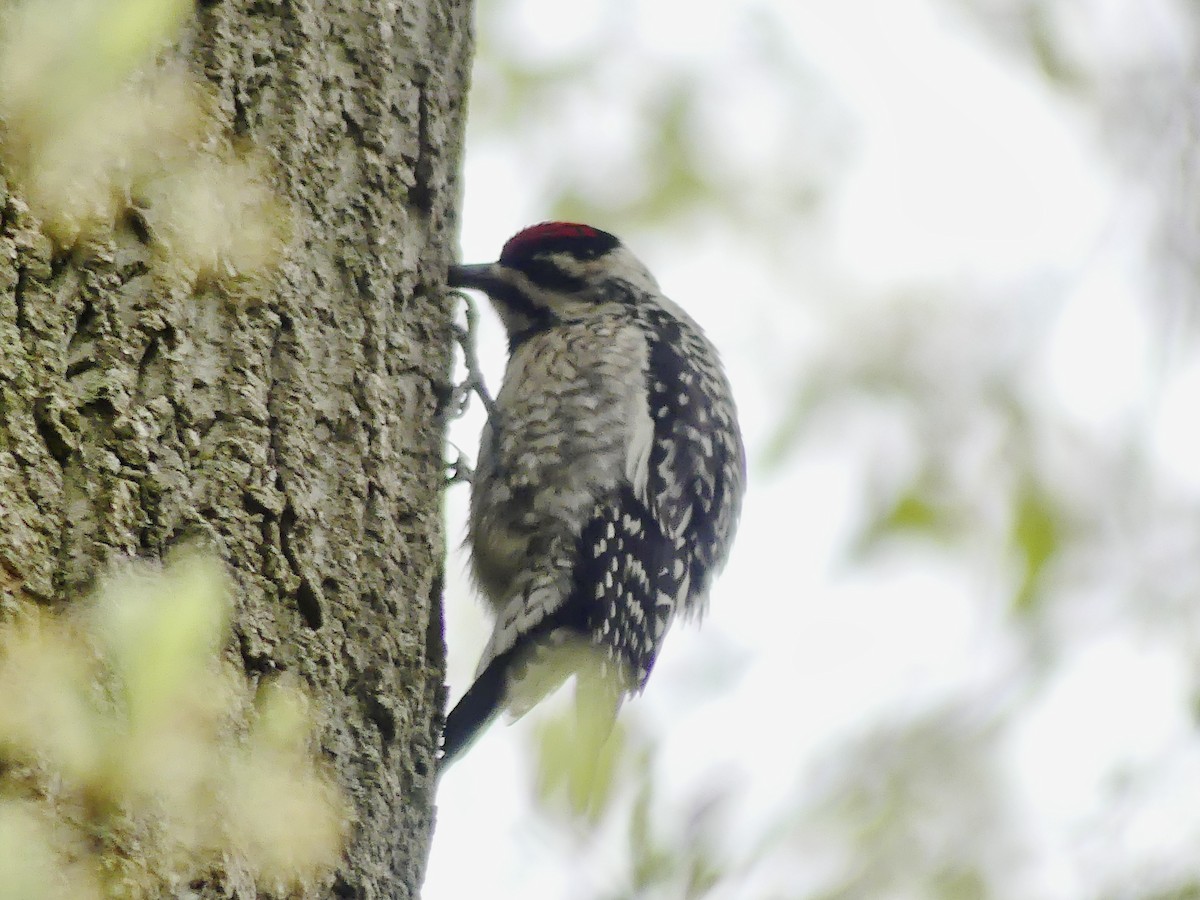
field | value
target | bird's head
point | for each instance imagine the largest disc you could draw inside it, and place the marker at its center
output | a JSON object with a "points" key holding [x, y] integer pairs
{"points": [[554, 272]]}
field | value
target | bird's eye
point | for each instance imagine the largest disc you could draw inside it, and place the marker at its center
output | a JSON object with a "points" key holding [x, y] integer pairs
{"points": [[543, 270]]}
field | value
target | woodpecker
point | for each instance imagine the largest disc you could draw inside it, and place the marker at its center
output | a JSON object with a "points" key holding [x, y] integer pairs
{"points": [[610, 472]]}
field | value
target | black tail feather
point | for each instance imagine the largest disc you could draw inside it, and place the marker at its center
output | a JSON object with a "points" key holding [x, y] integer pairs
{"points": [[474, 710]]}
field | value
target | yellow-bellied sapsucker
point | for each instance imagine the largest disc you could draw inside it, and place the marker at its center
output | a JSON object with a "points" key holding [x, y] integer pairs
{"points": [[610, 473]]}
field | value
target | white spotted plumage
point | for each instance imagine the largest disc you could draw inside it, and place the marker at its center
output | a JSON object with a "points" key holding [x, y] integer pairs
{"points": [[610, 474]]}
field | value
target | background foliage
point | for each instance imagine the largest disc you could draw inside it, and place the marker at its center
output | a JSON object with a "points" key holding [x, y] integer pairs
{"points": [[974, 452], [133, 760]]}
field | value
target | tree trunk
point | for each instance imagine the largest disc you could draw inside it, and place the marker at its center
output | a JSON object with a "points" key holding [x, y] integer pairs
{"points": [[294, 424]]}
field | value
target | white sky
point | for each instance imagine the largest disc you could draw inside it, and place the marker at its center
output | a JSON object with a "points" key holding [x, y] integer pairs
{"points": [[965, 169]]}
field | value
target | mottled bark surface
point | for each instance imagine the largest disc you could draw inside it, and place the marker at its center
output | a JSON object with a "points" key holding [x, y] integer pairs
{"points": [[293, 424]]}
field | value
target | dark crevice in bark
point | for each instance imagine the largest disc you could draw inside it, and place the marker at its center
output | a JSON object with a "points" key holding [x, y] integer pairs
{"points": [[370, 690], [353, 129], [80, 366], [241, 115], [99, 414], [152, 366], [19, 300], [287, 521], [267, 524], [260, 663], [84, 321], [310, 604], [421, 193], [18, 577], [435, 642], [134, 220], [53, 433]]}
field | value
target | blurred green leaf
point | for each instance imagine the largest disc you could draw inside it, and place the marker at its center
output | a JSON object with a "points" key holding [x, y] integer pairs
{"points": [[58, 57], [160, 631], [959, 883], [914, 511], [123, 727], [95, 126], [650, 861], [37, 859], [1037, 536], [920, 510], [579, 753]]}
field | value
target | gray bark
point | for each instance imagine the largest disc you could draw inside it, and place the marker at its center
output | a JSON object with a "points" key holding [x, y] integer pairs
{"points": [[296, 425]]}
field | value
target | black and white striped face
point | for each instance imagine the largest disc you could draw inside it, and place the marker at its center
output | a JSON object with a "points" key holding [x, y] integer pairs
{"points": [[554, 272]]}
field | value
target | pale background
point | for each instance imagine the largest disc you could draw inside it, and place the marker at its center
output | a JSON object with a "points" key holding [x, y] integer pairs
{"points": [[948, 251]]}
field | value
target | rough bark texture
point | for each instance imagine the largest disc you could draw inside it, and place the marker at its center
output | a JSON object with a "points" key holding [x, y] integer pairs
{"points": [[297, 427]]}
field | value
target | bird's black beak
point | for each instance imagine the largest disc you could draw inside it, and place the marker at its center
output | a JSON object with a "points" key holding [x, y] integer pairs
{"points": [[478, 277]]}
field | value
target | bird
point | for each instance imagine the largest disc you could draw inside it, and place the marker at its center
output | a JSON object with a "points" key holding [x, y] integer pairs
{"points": [[610, 473]]}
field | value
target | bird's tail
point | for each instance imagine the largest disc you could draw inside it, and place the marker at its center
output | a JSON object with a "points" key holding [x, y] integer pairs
{"points": [[517, 681]]}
